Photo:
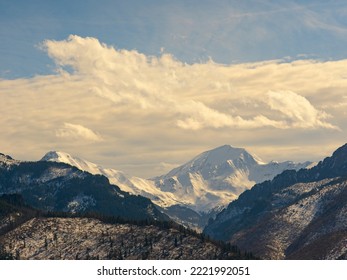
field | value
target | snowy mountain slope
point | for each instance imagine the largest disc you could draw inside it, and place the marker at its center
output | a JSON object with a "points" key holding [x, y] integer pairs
{"points": [[218, 176], [115, 175], [133, 185], [298, 215], [53, 186], [206, 183]]}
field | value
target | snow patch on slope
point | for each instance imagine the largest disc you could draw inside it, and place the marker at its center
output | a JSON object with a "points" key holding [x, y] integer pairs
{"points": [[80, 203]]}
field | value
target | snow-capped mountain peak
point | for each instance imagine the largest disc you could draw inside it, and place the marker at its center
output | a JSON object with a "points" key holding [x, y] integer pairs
{"points": [[226, 156], [219, 175], [292, 215], [212, 179], [74, 161], [222, 154]]}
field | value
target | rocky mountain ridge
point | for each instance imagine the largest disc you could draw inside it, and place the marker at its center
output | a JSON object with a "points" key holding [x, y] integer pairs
{"points": [[53, 186], [299, 214]]}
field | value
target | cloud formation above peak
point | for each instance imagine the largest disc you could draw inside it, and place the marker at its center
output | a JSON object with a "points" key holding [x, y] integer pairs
{"points": [[162, 84], [104, 101]]}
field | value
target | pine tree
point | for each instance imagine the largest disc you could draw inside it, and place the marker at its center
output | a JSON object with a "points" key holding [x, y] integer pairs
{"points": [[175, 242]]}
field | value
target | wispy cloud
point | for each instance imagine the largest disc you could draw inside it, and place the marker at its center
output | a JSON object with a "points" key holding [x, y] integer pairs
{"points": [[77, 132]]}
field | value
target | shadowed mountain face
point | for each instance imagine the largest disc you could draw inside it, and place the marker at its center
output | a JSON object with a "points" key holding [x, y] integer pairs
{"points": [[299, 214], [52, 186]]}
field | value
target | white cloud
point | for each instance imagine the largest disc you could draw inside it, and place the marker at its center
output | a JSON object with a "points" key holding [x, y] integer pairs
{"points": [[166, 85], [299, 111], [142, 109], [78, 132]]}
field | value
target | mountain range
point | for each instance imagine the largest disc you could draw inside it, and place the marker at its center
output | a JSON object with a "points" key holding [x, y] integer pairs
{"points": [[195, 191], [297, 215]]}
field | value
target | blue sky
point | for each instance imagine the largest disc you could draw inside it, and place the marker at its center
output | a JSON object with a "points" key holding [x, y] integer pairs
{"points": [[142, 86], [192, 31]]}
